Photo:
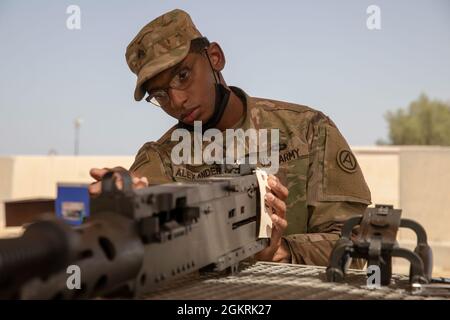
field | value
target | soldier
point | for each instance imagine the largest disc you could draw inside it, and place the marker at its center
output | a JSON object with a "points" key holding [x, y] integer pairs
{"points": [[180, 70]]}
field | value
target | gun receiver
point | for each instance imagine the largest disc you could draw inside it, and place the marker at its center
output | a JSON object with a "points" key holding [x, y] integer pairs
{"points": [[136, 240]]}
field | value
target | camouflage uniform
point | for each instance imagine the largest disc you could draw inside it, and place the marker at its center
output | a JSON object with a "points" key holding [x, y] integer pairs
{"points": [[325, 182]]}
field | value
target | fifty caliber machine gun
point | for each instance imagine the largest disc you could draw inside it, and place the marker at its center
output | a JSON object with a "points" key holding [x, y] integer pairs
{"points": [[136, 240]]}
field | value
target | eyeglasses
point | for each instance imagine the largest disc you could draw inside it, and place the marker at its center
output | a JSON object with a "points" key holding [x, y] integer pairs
{"points": [[181, 81]]}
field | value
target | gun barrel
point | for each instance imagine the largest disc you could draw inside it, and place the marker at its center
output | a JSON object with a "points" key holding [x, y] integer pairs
{"points": [[44, 248]]}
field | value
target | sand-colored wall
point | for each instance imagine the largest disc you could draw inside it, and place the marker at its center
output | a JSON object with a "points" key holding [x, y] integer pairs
{"points": [[381, 168], [24, 177], [6, 173], [417, 180], [425, 189]]}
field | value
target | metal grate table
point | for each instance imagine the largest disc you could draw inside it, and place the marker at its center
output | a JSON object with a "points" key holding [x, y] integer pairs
{"points": [[273, 281]]}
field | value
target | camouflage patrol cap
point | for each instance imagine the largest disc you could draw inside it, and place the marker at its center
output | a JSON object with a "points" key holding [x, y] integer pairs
{"points": [[159, 45]]}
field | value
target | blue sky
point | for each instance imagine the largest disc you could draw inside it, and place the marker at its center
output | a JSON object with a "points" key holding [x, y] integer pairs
{"points": [[318, 53]]}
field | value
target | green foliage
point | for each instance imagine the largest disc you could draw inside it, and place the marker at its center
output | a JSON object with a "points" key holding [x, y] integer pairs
{"points": [[426, 122]]}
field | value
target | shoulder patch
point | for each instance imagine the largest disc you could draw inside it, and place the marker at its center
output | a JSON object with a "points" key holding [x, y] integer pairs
{"points": [[343, 179], [346, 160]]}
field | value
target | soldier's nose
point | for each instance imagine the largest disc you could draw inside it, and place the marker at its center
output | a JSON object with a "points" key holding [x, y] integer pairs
{"points": [[178, 98]]}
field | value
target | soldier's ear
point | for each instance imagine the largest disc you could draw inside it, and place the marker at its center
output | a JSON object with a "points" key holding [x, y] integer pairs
{"points": [[216, 56]]}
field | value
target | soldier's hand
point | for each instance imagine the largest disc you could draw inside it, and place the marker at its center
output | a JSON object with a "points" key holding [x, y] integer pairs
{"points": [[277, 251], [96, 173]]}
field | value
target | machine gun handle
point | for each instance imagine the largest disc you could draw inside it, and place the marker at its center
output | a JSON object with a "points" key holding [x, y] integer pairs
{"points": [[426, 254], [423, 250], [110, 178]]}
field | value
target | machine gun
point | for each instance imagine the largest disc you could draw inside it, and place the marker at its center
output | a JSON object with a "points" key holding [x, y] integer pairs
{"points": [[136, 240]]}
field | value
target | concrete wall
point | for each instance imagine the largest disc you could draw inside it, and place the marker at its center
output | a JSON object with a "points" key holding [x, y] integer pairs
{"points": [[417, 180], [24, 177], [6, 178], [425, 189], [381, 168]]}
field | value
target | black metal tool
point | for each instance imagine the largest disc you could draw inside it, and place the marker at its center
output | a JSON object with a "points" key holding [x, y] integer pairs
{"points": [[376, 242]]}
